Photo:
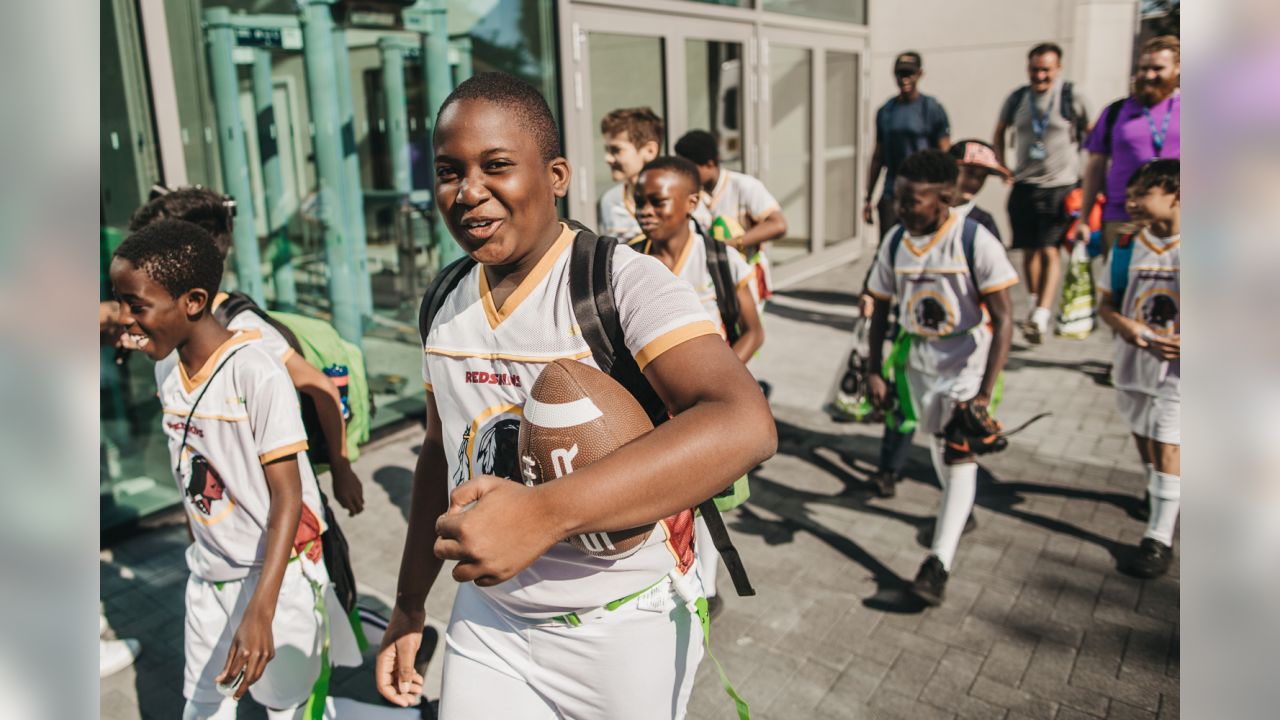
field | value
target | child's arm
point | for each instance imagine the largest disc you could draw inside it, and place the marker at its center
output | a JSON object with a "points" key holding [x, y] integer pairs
{"points": [[771, 227], [1001, 309], [1134, 332], [252, 647], [347, 489], [722, 428], [396, 678], [752, 336], [877, 388]]}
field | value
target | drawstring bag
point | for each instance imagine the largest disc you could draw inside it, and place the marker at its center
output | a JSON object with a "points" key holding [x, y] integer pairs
{"points": [[1076, 310]]}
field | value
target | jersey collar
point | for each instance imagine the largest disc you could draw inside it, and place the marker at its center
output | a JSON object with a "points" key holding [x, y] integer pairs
{"points": [[721, 183], [1159, 245], [934, 240], [496, 315], [189, 384]]}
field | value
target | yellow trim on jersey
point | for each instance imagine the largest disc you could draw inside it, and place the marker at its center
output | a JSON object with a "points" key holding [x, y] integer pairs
{"points": [[673, 338], [937, 237], [203, 416], [506, 356], [879, 296], [722, 182], [527, 285], [765, 213], [931, 271], [241, 337], [744, 282], [1158, 249], [427, 386], [231, 505], [280, 452], [218, 298], [998, 286], [288, 353], [684, 255]]}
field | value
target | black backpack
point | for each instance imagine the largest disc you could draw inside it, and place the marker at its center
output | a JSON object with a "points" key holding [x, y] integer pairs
{"points": [[721, 272], [591, 291], [1067, 108]]}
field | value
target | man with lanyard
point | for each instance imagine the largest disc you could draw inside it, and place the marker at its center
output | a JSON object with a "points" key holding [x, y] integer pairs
{"points": [[1048, 120], [907, 123], [1132, 131]]}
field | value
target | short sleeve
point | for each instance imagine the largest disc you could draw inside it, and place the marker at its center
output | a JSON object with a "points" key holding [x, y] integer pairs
{"points": [[426, 373], [1102, 281], [658, 310], [271, 340], [991, 262], [881, 283], [1094, 143], [274, 414], [757, 199], [941, 124]]}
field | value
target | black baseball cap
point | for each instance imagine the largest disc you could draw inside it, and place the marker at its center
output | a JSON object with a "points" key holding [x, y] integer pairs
{"points": [[909, 60]]}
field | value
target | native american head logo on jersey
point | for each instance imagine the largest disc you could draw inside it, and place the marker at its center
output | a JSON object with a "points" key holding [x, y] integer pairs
{"points": [[496, 450], [930, 314], [1159, 312], [205, 486]]}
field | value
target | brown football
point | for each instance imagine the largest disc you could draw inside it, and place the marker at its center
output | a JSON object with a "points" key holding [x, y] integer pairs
{"points": [[576, 415]]}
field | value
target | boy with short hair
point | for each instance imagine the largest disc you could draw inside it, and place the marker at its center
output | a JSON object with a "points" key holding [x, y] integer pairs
{"points": [[752, 216], [948, 275], [1140, 299], [666, 196], [632, 137], [546, 630], [239, 452]]}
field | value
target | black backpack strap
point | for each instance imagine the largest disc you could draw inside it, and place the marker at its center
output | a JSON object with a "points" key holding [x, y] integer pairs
{"points": [[1011, 104], [237, 303], [724, 545], [968, 236], [895, 242], [1113, 114], [726, 290], [443, 284]]}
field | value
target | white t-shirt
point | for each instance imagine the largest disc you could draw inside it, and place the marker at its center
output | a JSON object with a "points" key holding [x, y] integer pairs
{"points": [[691, 267], [737, 196], [271, 337], [246, 418], [938, 300], [480, 362], [1152, 298], [618, 214]]}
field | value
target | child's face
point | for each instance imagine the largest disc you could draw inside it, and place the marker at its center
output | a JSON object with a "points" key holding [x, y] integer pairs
{"points": [[495, 191], [664, 202], [921, 205], [1152, 205], [624, 159], [971, 180], [158, 321], [708, 173]]}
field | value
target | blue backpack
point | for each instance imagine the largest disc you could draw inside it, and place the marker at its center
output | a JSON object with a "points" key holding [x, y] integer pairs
{"points": [[1121, 254]]}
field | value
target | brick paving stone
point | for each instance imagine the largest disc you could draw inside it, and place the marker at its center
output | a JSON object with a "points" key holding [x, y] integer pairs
{"points": [[893, 705], [1013, 698], [1007, 662]]}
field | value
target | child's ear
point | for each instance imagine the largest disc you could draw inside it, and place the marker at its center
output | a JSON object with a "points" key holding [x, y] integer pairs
{"points": [[195, 301], [561, 174], [693, 202], [649, 150]]}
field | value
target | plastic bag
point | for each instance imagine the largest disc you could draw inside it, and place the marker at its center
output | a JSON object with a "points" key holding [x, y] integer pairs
{"points": [[848, 401], [1076, 311]]}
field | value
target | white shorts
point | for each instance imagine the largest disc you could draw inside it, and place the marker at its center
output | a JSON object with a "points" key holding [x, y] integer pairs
{"points": [[214, 611], [629, 663], [1152, 416], [934, 397]]}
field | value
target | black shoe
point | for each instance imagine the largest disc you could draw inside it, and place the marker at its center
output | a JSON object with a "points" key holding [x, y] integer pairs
{"points": [[1152, 560], [715, 605], [429, 709], [885, 482], [931, 582], [1142, 512], [1031, 331]]}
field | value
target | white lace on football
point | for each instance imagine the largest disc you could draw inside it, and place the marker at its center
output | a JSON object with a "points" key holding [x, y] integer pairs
{"points": [[561, 415]]}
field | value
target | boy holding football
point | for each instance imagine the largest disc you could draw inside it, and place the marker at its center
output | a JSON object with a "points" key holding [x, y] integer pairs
{"points": [[632, 137], [513, 648], [948, 275]]}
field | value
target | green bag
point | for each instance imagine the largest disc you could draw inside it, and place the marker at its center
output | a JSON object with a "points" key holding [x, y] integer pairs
{"points": [[1076, 313]]}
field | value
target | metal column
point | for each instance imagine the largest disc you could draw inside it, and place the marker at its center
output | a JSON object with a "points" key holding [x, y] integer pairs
{"points": [[231, 145], [353, 189], [273, 182], [317, 29], [393, 96], [462, 70], [428, 18]]}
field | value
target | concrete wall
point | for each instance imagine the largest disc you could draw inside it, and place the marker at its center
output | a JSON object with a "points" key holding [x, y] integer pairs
{"points": [[975, 55]]}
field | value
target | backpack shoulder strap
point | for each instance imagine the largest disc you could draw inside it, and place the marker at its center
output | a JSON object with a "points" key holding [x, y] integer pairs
{"points": [[443, 284], [1012, 102], [726, 290], [968, 237], [895, 242], [238, 302], [1121, 254], [1113, 114]]}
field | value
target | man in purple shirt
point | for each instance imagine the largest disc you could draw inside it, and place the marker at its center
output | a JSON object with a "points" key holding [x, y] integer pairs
{"points": [[1131, 131]]}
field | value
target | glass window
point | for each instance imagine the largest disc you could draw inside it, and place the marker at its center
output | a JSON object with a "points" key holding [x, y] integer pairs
{"points": [[790, 104], [854, 11], [841, 89], [626, 71], [713, 77]]}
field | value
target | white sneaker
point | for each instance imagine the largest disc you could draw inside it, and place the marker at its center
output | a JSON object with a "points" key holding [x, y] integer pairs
{"points": [[116, 655]]}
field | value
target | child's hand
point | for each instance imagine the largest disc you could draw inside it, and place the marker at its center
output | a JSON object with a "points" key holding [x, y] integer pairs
{"points": [[1131, 331], [347, 489], [494, 529], [866, 304], [877, 390], [394, 673], [251, 649], [1165, 347]]}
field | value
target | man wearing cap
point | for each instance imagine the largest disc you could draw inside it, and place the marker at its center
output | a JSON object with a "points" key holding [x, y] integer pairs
{"points": [[1048, 120], [908, 122]]}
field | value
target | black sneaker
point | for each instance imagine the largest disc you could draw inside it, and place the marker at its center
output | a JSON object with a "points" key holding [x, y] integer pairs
{"points": [[931, 582], [1152, 560], [715, 605], [885, 482], [1031, 331]]}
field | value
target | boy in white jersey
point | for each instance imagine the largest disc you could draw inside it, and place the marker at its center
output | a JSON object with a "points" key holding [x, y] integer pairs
{"points": [[945, 293], [632, 137], [751, 214], [1140, 299], [513, 649], [239, 450], [665, 198]]}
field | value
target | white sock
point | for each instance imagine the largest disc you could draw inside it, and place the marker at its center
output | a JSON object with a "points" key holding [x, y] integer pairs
{"points": [[1034, 301], [959, 486], [1166, 491], [225, 709], [708, 557], [1040, 316], [939, 462]]}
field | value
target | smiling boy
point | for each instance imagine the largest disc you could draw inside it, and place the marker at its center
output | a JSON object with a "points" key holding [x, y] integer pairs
{"points": [[513, 648], [632, 137]]}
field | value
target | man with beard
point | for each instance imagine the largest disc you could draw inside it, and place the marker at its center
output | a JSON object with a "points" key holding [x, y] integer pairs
{"points": [[1132, 131]]}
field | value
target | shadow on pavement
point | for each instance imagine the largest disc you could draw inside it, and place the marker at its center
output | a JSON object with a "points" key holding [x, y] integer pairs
{"points": [[397, 481]]}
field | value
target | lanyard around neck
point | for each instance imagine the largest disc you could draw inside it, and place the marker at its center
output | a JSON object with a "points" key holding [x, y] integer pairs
{"points": [[1158, 138], [1040, 123], [187, 425]]}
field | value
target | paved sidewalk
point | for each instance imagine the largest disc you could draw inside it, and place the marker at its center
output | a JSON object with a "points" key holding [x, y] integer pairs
{"points": [[1037, 624]]}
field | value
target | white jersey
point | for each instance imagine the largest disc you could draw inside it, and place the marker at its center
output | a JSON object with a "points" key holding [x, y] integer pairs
{"points": [[247, 417], [480, 362], [1152, 298], [274, 342], [618, 214], [691, 267], [738, 196], [939, 303]]}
